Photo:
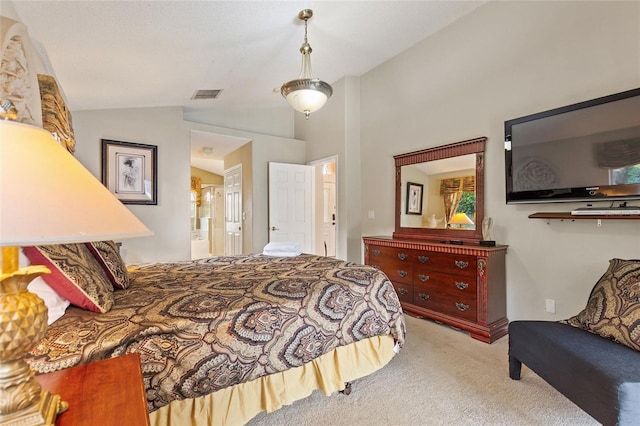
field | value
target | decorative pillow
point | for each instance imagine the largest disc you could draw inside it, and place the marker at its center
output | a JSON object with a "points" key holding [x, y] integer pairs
{"points": [[56, 304], [108, 255], [613, 309], [75, 275]]}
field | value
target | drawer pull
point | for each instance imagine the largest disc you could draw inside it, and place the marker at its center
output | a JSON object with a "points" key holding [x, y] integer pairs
{"points": [[461, 264], [461, 306], [402, 256], [402, 273], [423, 259], [461, 285], [423, 296], [423, 278], [375, 252], [403, 291]]}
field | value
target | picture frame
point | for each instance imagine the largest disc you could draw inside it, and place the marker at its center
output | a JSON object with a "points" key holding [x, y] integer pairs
{"points": [[414, 198], [130, 172]]}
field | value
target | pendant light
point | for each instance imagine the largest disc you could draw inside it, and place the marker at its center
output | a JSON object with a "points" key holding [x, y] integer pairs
{"points": [[306, 94]]}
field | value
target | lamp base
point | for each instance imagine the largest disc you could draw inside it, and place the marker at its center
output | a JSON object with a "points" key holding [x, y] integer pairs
{"points": [[43, 413], [23, 322]]}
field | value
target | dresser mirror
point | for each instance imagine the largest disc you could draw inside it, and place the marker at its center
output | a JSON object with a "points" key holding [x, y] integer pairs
{"points": [[440, 192]]}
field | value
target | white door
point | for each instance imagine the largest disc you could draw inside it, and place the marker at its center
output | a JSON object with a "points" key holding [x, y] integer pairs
{"points": [[290, 204], [233, 210]]}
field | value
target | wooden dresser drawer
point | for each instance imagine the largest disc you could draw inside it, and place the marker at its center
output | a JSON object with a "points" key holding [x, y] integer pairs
{"points": [[393, 262], [461, 307], [458, 264], [445, 283], [404, 292], [398, 273], [391, 253]]}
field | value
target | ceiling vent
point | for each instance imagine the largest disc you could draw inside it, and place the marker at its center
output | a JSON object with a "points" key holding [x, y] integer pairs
{"points": [[206, 94]]}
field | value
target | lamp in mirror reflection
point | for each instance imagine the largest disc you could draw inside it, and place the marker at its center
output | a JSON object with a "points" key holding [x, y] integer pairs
{"points": [[460, 220]]}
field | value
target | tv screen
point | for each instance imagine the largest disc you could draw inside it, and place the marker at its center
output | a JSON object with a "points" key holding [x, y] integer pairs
{"points": [[587, 151]]}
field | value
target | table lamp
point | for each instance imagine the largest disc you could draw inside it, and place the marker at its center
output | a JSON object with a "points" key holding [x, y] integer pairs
{"points": [[46, 197], [460, 219]]}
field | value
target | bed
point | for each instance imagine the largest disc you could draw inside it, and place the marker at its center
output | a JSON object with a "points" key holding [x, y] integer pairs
{"points": [[223, 338]]}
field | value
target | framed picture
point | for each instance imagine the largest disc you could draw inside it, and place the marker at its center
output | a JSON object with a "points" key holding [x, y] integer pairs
{"points": [[414, 198], [129, 171]]}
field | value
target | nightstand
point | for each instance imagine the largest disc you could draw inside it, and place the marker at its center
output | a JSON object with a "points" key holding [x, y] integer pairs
{"points": [[108, 392]]}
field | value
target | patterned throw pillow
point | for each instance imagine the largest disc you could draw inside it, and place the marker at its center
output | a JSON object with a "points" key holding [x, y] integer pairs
{"points": [[75, 275], [613, 309], [108, 254]]}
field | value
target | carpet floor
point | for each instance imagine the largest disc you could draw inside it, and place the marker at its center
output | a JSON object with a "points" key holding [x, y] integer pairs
{"points": [[441, 377]]}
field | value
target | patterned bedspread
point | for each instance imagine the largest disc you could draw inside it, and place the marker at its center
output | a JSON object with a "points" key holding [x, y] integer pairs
{"points": [[204, 325]]}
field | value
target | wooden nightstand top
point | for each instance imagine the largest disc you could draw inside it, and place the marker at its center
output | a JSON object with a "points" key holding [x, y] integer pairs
{"points": [[108, 392]]}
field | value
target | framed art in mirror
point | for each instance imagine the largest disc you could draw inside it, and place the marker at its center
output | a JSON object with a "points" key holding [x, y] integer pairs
{"points": [[414, 198], [436, 185]]}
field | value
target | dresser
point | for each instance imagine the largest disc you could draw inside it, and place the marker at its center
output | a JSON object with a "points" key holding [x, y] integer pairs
{"points": [[460, 285]]}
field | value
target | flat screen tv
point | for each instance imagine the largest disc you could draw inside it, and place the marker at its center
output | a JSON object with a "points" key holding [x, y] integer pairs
{"points": [[589, 151]]}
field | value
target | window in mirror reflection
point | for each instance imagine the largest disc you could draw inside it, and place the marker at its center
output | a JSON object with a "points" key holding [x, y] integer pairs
{"points": [[458, 196]]}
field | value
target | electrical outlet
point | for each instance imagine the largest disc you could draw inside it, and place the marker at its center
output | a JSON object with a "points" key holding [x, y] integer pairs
{"points": [[550, 306], [372, 214]]}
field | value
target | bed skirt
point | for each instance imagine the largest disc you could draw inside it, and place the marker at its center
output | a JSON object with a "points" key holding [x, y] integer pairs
{"points": [[238, 404]]}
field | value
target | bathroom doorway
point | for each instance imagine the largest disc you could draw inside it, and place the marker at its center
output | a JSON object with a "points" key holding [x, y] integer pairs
{"points": [[326, 206]]}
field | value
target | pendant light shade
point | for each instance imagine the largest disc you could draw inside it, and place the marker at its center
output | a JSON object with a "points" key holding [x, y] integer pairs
{"points": [[306, 94]]}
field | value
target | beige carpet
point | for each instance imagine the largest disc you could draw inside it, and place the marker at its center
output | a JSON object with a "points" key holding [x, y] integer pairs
{"points": [[441, 377]]}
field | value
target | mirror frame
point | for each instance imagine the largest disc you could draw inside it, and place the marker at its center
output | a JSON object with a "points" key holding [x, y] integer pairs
{"points": [[472, 146]]}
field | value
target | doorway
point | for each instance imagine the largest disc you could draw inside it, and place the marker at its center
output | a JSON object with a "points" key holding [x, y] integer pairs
{"points": [[207, 222], [233, 210], [303, 205], [326, 206]]}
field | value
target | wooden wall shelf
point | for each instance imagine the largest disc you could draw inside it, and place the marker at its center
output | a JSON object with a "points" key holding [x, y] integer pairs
{"points": [[568, 215]]}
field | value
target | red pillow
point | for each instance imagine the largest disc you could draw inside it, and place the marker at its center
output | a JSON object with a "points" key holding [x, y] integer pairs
{"points": [[108, 254], [75, 275]]}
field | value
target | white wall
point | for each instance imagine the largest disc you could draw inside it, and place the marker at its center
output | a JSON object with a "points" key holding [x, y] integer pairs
{"points": [[265, 148], [335, 130], [277, 150], [266, 121], [502, 61], [169, 220]]}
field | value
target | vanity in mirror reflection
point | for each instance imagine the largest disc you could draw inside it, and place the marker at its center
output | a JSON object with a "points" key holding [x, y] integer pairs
{"points": [[434, 258]]}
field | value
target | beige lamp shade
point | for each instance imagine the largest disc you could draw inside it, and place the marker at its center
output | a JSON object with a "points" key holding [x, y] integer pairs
{"points": [[48, 197]]}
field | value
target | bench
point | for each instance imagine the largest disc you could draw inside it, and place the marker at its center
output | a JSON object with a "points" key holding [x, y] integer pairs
{"points": [[600, 376]]}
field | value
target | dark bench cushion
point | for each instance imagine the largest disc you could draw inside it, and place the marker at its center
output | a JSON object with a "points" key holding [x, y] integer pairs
{"points": [[600, 376]]}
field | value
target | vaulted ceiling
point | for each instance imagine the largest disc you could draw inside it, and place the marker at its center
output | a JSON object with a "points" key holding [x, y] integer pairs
{"points": [[119, 54], [151, 53]]}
